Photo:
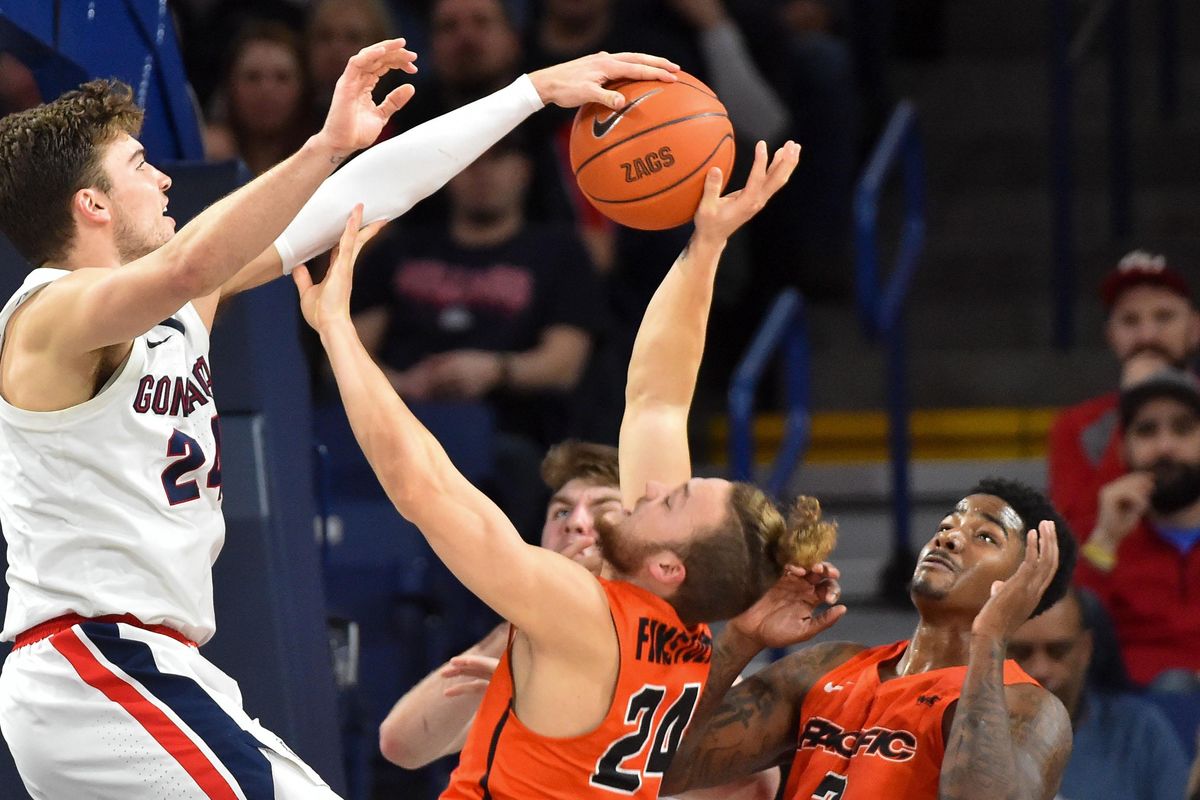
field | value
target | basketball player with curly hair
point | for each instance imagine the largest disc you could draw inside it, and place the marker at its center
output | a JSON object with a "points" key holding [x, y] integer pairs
{"points": [[941, 716]]}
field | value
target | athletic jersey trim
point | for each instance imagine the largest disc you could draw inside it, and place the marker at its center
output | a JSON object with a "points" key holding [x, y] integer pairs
{"points": [[491, 758], [127, 375]]}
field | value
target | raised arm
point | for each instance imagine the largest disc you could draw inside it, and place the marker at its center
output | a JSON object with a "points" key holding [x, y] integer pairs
{"points": [[1007, 743], [550, 598], [425, 158], [670, 341], [95, 308]]}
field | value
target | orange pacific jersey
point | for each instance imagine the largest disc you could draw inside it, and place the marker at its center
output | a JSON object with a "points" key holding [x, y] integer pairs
{"points": [[864, 739], [663, 667]]}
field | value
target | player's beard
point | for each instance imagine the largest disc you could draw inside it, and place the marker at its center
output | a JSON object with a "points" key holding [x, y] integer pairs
{"points": [[624, 552], [1176, 486], [136, 238]]}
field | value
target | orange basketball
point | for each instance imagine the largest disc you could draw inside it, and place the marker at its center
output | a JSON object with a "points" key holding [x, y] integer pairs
{"points": [[644, 166]]}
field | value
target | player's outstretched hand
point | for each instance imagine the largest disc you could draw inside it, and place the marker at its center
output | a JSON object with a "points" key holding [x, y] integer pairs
{"points": [[476, 673], [718, 217], [1013, 600], [329, 300], [787, 614], [354, 120], [574, 83]]}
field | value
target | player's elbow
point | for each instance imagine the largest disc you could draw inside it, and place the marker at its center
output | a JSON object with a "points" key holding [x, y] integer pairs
{"points": [[399, 746]]}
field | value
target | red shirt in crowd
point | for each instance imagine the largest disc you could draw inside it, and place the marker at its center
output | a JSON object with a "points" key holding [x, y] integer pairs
{"points": [[1153, 597], [1084, 454]]}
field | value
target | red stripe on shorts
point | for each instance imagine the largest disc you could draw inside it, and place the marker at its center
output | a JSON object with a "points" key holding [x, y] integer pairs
{"points": [[150, 716]]}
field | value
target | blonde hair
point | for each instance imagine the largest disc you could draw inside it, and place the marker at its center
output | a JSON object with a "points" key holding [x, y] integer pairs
{"points": [[732, 566]]}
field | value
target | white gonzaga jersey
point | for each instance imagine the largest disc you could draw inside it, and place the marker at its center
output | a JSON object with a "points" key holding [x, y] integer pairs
{"points": [[113, 506]]}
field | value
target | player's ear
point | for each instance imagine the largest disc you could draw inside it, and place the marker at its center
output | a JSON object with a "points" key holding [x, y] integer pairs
{"points": [[91, 206], [666, 567]]}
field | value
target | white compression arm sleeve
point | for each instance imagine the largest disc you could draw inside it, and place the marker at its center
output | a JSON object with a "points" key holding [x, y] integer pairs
{"points": [[393, 176]]}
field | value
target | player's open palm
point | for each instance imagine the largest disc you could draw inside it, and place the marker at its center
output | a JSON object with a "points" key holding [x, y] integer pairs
{"points": [[1013, 600], [788, 613], [718, 217], [329, 300], [574, 83], [354, 120]]}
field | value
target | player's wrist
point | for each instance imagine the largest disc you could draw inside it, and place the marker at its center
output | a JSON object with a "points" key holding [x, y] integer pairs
{"points": [[987, 641], [321, 146]]}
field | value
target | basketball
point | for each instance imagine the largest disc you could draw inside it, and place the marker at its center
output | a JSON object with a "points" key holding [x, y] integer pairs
{"points": [[644, 166]]}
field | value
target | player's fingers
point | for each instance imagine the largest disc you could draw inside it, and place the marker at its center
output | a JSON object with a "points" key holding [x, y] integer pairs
{"points": [[783, 165], [578, 546], [365, 62], [829, 591], [996, 587], [349, 235], [795, 570], [643, 66], [606, 97], [712, 185], [758, 170], [826, 619], [302, 279], [1049, 561], [397, 98], [365, 235], [464, 688], [481, 664]]}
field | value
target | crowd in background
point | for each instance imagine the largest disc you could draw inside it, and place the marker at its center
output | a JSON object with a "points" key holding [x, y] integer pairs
{"points": [[508, 288]]}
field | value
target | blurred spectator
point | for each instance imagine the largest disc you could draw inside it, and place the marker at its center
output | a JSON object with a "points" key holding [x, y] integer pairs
{"points": [[491, 308], [206, 26], [262, 108], [474, 50], [1141, 559], [335, 31], [474, 47], [18, 87], [1056, 648], [1151, 312]]}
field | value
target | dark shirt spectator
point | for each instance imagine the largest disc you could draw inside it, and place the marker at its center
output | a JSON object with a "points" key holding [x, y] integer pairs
{"points": [[486, 307], [1056, 648]]}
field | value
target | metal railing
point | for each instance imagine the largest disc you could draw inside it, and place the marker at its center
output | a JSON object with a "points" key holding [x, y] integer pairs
{"points": [[784, 327], [881, 302], [1067, 50]]}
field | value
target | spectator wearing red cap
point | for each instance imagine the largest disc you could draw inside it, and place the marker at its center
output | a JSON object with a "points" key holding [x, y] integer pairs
{"points": [[1143, 556], [1152, 322]]}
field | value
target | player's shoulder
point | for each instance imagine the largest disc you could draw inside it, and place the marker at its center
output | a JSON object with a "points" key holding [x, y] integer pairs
{"points": [[1031, 706], [797, 672]]}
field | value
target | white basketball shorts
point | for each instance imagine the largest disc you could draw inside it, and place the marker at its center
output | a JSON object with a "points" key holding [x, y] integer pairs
{"points": [[111, 711]]}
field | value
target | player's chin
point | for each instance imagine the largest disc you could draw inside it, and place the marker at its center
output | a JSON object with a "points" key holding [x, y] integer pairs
{"points": [[931, 585]]}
